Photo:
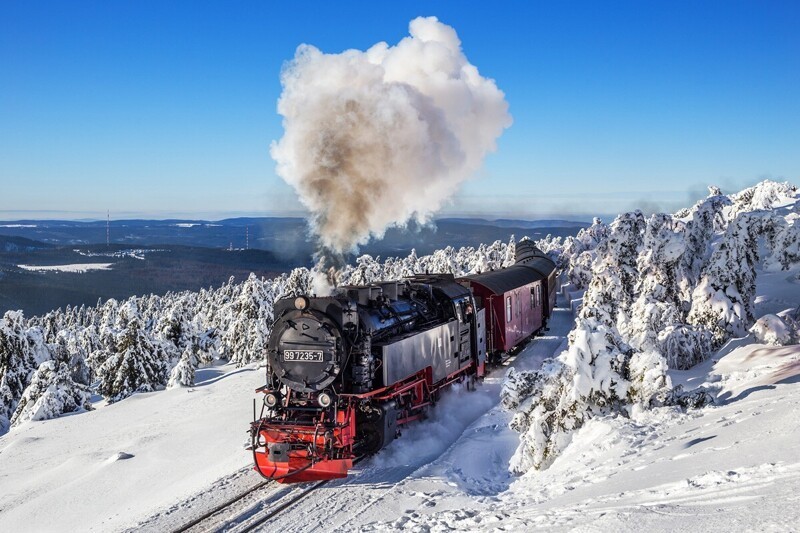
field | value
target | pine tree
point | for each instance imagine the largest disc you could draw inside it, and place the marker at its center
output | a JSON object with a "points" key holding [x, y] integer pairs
{"points": [[53, 391], [182, 374], [658, 301], [137, 364], [723, 301], [16, 364]]}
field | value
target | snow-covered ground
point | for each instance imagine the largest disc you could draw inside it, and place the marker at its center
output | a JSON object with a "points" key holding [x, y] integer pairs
{"points": [[154, 461], [735, 465], [111, 468], [75, 267]]}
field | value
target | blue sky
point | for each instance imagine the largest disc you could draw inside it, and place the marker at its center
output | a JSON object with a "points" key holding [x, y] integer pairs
{"points": [[168, 109]]}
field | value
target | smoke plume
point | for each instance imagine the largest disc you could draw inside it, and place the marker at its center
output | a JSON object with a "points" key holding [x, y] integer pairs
{"points": [[377, 138]]}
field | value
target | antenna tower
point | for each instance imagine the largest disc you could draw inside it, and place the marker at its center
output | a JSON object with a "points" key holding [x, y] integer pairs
{"points": [[108, 229], [247, 238]]}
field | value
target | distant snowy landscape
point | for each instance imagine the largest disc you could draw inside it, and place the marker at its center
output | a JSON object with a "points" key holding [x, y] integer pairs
{"points": [[664, 396]]}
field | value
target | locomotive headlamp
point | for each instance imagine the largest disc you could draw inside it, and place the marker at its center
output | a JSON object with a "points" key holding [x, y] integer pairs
{"points": [[301, 303], [271, 400], [324, 399]]}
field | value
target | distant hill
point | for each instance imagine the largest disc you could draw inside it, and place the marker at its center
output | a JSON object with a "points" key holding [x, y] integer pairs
{"points": [[513, 223], [21, 244], [156, 256]]}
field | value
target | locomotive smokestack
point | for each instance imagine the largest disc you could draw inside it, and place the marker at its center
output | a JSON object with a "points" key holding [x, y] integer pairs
{"points": [[376, 138]]}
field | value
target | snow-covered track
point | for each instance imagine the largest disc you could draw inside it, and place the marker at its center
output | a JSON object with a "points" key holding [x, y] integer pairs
{"points": [[283, 503], [219, 508], [237, 515], [291, 499]]}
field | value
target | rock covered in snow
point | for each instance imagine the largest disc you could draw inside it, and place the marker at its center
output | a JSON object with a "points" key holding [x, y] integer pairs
{"points": [[771, 329]]}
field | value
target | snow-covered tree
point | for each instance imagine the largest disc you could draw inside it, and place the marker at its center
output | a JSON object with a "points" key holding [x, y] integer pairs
{"points": [[597, 375], [52, 392], [182, 375], [658, 301], [614, 272], [17, 363], [137, 364], [245, 338], [723, 301], [510, 255]]}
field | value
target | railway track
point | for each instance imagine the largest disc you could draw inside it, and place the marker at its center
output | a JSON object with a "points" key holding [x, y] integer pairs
{"points": [[234, 516], [228, 517]]}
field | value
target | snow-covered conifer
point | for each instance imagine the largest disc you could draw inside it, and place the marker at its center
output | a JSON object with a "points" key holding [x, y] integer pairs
{"points": [[510, 255], [723, 301], [182, 374], [16, 364], [52, 392], [658, 301], [138, 364]]}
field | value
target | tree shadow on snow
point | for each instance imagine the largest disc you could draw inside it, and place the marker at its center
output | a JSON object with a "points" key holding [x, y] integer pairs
{"points": [[208, 376], [726, 397], [698, 441]]}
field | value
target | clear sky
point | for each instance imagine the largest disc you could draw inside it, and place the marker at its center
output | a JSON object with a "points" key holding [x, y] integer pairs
{"points": [[153, 108]]}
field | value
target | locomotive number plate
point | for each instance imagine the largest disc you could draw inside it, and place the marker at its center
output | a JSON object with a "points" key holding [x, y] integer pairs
{"points": [[303, 356]]}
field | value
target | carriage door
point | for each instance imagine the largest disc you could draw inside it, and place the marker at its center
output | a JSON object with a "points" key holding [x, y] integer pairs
{"points": [[465, 311]]}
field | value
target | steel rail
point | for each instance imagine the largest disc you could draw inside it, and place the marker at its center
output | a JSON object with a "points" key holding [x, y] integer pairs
{"points": [[221, 507]]}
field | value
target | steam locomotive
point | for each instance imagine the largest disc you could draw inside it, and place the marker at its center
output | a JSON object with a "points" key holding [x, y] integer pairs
{"points": [[345, 372]]}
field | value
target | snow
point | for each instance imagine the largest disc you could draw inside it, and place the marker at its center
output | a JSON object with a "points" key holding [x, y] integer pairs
{"points": [[770, 329], [76, 267], [18, 225], [110, 468], [661, 471], [156, 460], [623, 458]]}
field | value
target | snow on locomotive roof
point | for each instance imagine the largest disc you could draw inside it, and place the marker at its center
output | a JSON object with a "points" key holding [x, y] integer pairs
{"points": [[507, 279]]}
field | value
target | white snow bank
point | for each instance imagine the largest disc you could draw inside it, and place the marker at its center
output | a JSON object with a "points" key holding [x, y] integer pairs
{"points": [[770, 329], [76, 267], [111, 468], [732, 466], [754, 367]]}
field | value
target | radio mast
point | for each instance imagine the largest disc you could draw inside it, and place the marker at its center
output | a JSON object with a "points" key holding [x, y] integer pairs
{"points": [[247, 238], [108, 229]]}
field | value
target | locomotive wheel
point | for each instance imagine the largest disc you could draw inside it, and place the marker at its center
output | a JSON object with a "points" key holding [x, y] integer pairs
{"points": [[370, 439]]}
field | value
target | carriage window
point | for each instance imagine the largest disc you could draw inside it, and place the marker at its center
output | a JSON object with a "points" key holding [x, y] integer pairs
{"points": [[533, 297], [508, 308], [538, 295]]}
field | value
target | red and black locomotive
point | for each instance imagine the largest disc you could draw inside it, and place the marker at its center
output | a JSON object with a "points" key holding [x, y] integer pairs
{"points": [[345, 372]]}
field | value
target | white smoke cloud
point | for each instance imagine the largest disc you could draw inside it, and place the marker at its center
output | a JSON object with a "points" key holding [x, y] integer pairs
{"points": [[377, 138]]}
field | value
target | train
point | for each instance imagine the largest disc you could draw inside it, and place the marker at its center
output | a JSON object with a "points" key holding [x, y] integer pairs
{"points": [[345, 372]]}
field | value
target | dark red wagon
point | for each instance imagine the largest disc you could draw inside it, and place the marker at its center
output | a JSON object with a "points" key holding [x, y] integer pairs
{"points": [[518, 300]]}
